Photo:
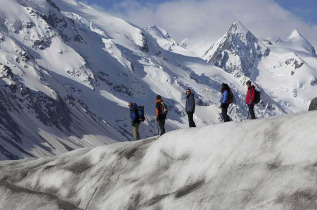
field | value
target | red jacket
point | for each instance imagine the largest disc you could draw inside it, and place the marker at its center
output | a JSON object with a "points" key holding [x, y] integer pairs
{"points": [[250, 95]]}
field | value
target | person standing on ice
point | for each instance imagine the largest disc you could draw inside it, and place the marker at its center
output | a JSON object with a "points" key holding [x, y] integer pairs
{"points": [[224, 102], [160, 113], [135, 121], [190, 107], [249, 100]]}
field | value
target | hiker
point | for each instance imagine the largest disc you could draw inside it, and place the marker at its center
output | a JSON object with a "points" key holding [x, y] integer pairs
{"points": [[135, 121], [249, 100], [190, 107], [224, 102], [160, 113]]}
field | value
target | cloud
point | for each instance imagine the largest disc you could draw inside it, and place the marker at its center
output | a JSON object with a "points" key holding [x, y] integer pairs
{"points": [[208, 20]]}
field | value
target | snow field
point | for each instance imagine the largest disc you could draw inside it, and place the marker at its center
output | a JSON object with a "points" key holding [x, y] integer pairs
{"points": [[262, 164]]}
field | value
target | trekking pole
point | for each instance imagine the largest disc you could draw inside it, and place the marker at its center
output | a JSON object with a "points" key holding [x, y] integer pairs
{"points": [[248, 114], [149, 122]]}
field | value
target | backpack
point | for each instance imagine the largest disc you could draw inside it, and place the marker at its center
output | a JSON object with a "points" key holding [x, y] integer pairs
{"points": [[230, 99], [163, 108], [257, 97], [141, 113]]}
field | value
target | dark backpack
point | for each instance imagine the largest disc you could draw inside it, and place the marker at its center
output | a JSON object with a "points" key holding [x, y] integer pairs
{"points": [[257, 97], [141, 113], [163, 108], [230, 99]]}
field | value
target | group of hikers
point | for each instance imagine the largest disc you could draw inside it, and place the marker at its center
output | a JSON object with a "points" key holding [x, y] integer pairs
{"points": [[227, 98], [137, 112]]}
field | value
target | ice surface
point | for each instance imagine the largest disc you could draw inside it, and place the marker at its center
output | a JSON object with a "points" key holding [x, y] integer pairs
{"points": [[68, 71], [256, 164]]}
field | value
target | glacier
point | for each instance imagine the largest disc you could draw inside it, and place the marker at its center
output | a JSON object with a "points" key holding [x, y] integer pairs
{"points": [[263, 164]]}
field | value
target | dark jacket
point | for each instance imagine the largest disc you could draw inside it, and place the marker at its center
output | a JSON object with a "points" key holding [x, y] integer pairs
{"points": [[134, 114], [190, 103]]}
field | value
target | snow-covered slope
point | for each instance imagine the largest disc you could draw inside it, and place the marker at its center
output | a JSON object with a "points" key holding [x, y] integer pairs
{"points": [[196, 45], [237, 52], [298, 42], [68, 71], [285, 70], [262, 164], [166, 42], [39, 114], [289, 73]]}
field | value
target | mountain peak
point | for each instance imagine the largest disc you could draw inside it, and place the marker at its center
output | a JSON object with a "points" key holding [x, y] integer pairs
{"points": [[299, 41], [295, 35], [184, 43], [154, 27], [237, 28], [162, 32], [237, 51]]}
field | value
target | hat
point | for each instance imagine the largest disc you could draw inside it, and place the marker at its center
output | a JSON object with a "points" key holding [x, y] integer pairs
{"points": [[248, 82]]}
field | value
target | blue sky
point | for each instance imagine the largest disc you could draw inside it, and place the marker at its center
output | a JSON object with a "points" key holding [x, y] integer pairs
{"points": [[208, 20], [305, 9]]}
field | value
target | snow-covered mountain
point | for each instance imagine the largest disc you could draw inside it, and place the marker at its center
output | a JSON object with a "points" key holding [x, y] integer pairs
{"points": [[285, 70], [263, 164], [289, 73], [68, 71], [296, 41], [237, 52], [166, 42]]}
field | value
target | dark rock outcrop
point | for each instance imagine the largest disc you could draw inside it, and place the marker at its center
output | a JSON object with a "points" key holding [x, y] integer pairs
{"points": [[313, 105]]}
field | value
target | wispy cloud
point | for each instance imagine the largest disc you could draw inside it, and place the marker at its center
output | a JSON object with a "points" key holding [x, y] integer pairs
{"points": [[210, 19]]}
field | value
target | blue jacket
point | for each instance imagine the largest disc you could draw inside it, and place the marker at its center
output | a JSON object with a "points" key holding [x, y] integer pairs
{"points": [[134, 114], [224, 97], [190, 103]]}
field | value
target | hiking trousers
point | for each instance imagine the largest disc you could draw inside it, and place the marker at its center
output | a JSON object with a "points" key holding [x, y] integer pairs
{"points": [[224, 111], [251, 111], [161, 123], [136, 133], [190, 119]]}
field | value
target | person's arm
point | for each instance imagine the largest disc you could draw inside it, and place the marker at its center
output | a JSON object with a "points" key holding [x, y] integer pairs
{"points": [[157, 109], [193, 102], [133, 116]]}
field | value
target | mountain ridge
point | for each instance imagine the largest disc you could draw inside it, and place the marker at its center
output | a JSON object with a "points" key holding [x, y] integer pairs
{"points": [[68, 71]]}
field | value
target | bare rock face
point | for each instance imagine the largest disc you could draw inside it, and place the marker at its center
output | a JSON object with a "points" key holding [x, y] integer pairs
{"points": [[313, 105]]}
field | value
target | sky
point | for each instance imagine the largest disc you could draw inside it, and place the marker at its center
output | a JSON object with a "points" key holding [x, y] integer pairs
{"points": [[206, 21], [304, 9]]}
